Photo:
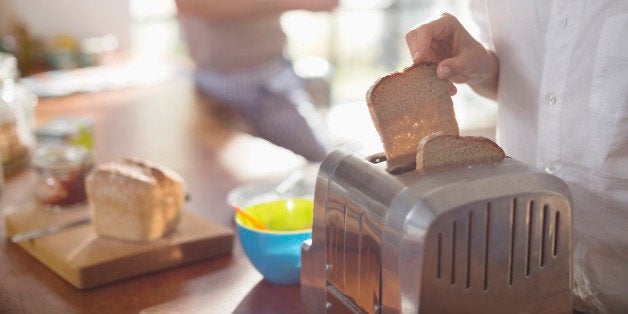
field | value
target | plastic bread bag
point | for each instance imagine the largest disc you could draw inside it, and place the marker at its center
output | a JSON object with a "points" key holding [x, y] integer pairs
{"points": [[600, 251]]}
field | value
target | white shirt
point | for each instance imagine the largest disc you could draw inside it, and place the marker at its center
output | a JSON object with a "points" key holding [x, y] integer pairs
{"points": [[563, 107]]}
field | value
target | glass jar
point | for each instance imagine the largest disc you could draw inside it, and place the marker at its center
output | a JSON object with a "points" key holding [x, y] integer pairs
{"points": [[1, 179], [17, 106], [62, 170]]}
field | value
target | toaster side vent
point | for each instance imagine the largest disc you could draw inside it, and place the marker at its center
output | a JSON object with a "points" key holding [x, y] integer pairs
{"points": [[530, 223], [513, 232], [545, 231], [453, 253], [487, 230], [495, 244], [498, 250], [468, 270], [557, 232], [439, 256], [542, 234], [458, 255]]}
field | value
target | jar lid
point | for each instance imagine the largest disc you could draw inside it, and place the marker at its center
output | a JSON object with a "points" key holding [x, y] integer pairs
{"points": [[57, 157], [8, 66]]}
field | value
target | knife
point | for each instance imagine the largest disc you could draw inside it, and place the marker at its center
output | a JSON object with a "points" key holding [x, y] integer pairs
{"points": [[34, 234]]}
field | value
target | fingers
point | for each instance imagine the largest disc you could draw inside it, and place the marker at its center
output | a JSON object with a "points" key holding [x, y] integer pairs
{"points": [[460, 58], [443, 41], [419, 40], [446, 42], [478, 68], [428, 42], [470, 64], [453, 69]]}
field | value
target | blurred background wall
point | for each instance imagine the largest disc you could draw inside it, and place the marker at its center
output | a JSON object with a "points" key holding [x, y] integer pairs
{"points": [[360, 41], [83, 18]]}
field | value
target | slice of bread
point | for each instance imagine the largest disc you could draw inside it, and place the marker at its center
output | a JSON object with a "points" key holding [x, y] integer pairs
{"points": [[408, 105], [134, 200], [443, 151]]}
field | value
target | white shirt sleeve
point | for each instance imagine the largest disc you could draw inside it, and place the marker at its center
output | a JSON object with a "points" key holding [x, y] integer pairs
{"points": [[480, 17]]}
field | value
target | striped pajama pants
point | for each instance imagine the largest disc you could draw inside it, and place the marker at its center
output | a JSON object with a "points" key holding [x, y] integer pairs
{"points": [[273, 102]]}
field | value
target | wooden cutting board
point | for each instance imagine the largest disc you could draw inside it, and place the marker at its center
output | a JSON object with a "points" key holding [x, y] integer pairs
{"points": [[86, 260]]}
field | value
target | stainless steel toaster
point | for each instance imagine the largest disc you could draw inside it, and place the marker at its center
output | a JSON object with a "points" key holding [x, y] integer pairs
{"points": [[481, 239]]}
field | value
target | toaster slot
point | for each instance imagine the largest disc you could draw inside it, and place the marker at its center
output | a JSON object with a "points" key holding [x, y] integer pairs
{"points": [[377, 158]]}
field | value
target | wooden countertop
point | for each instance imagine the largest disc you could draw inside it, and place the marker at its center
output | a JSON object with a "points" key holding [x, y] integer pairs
{"points": [[170, 124]]}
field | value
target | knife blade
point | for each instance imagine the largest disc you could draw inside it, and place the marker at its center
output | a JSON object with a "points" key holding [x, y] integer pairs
{"points": [[38, 233]]}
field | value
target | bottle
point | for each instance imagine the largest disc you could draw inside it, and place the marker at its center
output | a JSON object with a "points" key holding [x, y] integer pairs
{"points": [[1, 179], [17, 107]]}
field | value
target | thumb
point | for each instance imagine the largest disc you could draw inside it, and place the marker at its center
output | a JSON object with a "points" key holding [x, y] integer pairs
{"points": [[453, 70]]}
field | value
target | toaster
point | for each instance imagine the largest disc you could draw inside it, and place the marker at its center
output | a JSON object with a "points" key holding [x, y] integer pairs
{"points": [[478, 239]]}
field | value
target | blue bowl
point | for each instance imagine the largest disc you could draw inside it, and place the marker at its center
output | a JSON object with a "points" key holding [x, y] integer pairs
{"points": [[276, 253]]}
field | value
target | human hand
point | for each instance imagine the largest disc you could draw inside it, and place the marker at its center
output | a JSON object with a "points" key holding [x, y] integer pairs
{"points": [[312, 5], [460, 57]]}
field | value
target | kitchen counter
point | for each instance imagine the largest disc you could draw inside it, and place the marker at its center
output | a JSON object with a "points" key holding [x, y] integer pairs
{"points": [[168, 123]]}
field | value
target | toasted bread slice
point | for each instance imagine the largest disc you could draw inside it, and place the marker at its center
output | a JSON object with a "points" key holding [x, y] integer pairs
{"points": [[408, 105], [442, 151]]}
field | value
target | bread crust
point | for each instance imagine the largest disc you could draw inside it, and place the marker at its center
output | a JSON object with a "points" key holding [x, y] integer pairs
{"points": [[408, 105]]}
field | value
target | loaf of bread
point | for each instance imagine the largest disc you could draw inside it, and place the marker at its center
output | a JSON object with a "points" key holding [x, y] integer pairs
{"points": [[442, 151], [134, 200], [406, 106]]}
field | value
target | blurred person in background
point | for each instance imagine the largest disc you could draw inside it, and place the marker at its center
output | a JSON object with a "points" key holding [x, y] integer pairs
{"points": [[238, 48], [559, 73]]}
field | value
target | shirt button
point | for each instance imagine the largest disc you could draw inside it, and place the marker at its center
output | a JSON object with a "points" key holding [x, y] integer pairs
{"points": [[550, 168], [550, 99]]}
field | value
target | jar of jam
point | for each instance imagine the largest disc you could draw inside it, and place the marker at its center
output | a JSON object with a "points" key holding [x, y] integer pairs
{"points": [[62, 170], [17, 105]]}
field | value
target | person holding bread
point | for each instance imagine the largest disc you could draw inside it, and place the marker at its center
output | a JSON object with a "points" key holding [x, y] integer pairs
{"points": [[559, 73], [238, 48]]}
